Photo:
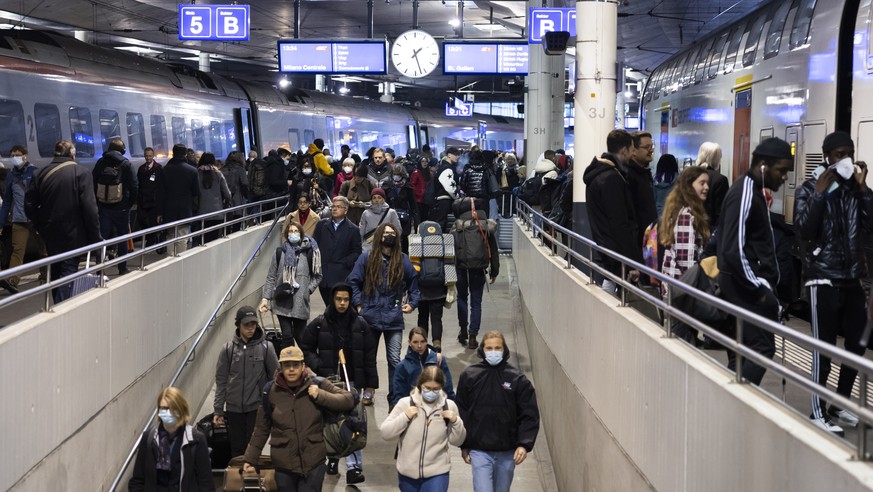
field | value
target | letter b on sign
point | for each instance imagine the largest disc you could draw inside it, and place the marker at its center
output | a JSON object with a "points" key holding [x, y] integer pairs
{"points": [[233, 22]]}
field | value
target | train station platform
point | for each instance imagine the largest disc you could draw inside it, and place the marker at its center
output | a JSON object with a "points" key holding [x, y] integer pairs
{"points": [[624, 407]]}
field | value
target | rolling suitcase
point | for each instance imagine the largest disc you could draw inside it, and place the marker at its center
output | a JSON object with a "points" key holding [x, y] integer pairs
{"points": [[263, 481], [85, 282], [272, 334]]}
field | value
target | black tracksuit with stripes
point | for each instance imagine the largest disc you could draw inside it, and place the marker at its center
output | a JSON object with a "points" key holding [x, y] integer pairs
{"points": [[832, 225], [749, 269]]}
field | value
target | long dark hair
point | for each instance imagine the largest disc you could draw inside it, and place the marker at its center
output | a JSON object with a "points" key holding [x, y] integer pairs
{"points": [[667, 169], [373, 270], [683, 195], [207, 161]]}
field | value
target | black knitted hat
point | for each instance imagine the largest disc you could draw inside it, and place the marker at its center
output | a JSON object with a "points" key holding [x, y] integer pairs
{"points": [[836, 140]]}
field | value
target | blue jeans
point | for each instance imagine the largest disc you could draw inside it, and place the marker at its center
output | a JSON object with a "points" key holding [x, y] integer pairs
{"points": [[311, 482], [393, 339], [120, 220], [492, 470], [59, 270], [439, 483], [470, 283], [355, 460]]}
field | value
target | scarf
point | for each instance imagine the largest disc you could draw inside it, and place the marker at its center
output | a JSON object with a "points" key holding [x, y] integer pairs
{"points": [[166, 444], [290, 252]]}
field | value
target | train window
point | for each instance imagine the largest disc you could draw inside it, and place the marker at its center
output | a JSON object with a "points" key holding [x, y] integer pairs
{"points": [[198, 135], [774, 33], [215, 145], [688, 67], [12, 125], [109, 127], [230, 136], [82, 131], [294, 139], [308, 137], [179, 134], [677, 72], [731, 57], [159, 135], [712, 71], [700, 66], [136, 140], [48, 128], [754, 31], [6, 46], [802, 20]]}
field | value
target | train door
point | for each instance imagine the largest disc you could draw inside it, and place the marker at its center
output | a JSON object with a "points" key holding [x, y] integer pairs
{"points": [[664, 143], [423, 134], [792, 136], [742, 132], [863, 151], [411, 142], [329, 141], [293, 139]]}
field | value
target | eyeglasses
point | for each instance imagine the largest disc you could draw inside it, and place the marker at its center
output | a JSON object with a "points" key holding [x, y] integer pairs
{"points": [[648, 147], [338, 206]]}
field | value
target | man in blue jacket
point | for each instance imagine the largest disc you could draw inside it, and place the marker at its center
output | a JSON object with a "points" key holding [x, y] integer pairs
{"points": [[498, 405], [747, 262], [23, 230]]}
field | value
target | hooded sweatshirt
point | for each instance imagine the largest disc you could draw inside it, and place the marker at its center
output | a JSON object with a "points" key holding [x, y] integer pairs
{"points": [[371, 218], [320, 160], [424, 441], [242, 370]]}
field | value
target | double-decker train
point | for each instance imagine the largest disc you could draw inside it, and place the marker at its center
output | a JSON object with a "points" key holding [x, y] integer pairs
{"points": [[795, 69], [55, 87]]}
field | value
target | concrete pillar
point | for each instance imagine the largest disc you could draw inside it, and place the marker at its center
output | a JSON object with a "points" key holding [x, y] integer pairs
{"points": [[204, 62], [595, 101], [619, 109], [544, 106], [321, 83]]}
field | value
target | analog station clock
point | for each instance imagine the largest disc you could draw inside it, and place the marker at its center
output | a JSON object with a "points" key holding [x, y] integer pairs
{"points": [[415, 53]]}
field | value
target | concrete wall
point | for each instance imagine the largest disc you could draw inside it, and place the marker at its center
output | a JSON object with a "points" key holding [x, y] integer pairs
{"points": [[626, 409], [79, 383]]}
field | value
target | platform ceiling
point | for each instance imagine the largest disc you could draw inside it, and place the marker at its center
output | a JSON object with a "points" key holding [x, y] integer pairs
{"points": [[649, 30]]}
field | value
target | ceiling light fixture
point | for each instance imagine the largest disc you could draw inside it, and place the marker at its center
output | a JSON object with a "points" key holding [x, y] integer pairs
{"points": [[284, 82], [454, 23]]}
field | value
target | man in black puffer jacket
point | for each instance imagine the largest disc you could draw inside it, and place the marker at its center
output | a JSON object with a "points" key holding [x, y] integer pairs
{"points": [[116, 187], [832, 213], [340, 327], [474, 178]]}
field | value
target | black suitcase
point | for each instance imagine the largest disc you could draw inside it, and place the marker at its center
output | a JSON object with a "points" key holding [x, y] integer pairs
{"points": [[218, 441]]}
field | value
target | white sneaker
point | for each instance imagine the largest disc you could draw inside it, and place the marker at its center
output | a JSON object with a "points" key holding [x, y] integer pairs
{"points": [[844, 417], [826, 425]]}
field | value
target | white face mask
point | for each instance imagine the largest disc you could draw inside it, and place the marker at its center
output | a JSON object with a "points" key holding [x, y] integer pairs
{"points": [[845, 167], [347, 169], [18, 160]]}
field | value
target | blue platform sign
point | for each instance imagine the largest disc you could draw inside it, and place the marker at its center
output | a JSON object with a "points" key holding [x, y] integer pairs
{"points": [[214, 22], [459, 109], [543, 20]]}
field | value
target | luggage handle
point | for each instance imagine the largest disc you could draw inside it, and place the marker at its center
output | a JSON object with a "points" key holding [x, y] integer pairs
{"points": [[342, 361]]}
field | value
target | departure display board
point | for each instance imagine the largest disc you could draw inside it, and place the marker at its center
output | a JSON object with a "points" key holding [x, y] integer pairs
{"points": [[485, 58], [330, 57]]}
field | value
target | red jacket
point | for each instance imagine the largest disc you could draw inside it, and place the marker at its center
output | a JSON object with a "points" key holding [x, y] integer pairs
{"points": [[419, 185]]}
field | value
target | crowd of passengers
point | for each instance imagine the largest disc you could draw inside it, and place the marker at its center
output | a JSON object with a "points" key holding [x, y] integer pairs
{"points": [[347, 237], [692, 225]]}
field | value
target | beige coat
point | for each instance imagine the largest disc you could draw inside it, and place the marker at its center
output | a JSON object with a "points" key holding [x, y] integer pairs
{"points": [[424, 440]]}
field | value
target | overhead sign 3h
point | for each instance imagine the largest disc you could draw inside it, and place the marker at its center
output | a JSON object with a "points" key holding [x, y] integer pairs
{"points": [[214, 22]]}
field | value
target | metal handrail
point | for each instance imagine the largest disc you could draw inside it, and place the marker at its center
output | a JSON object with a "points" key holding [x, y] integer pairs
{"points": [[250, 211], [189, 355], [543, 227]]}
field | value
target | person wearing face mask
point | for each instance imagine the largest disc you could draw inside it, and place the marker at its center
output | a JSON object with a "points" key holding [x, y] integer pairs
{"points": [[378, 212], [63, 206], [833, 212], [384, 288], [253, 155], [499, 406], [17, 181], [346, 173], [173, 455], [294, 274], [150, 199], [424, 423], [747, 260]]}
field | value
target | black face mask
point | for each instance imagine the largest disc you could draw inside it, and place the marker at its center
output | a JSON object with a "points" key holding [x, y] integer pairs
{"points": [[389, 240]]}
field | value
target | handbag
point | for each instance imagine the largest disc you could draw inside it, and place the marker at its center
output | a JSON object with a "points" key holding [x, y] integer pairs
{"points": [[283, 291]]}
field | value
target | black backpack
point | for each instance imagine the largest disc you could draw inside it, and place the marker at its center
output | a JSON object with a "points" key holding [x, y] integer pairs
{"points": [[529, 191], [258, 178], [433, 252], [110, 190]]}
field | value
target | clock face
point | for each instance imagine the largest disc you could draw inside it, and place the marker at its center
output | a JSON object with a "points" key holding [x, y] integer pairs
{"points": [[415, 53]]}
